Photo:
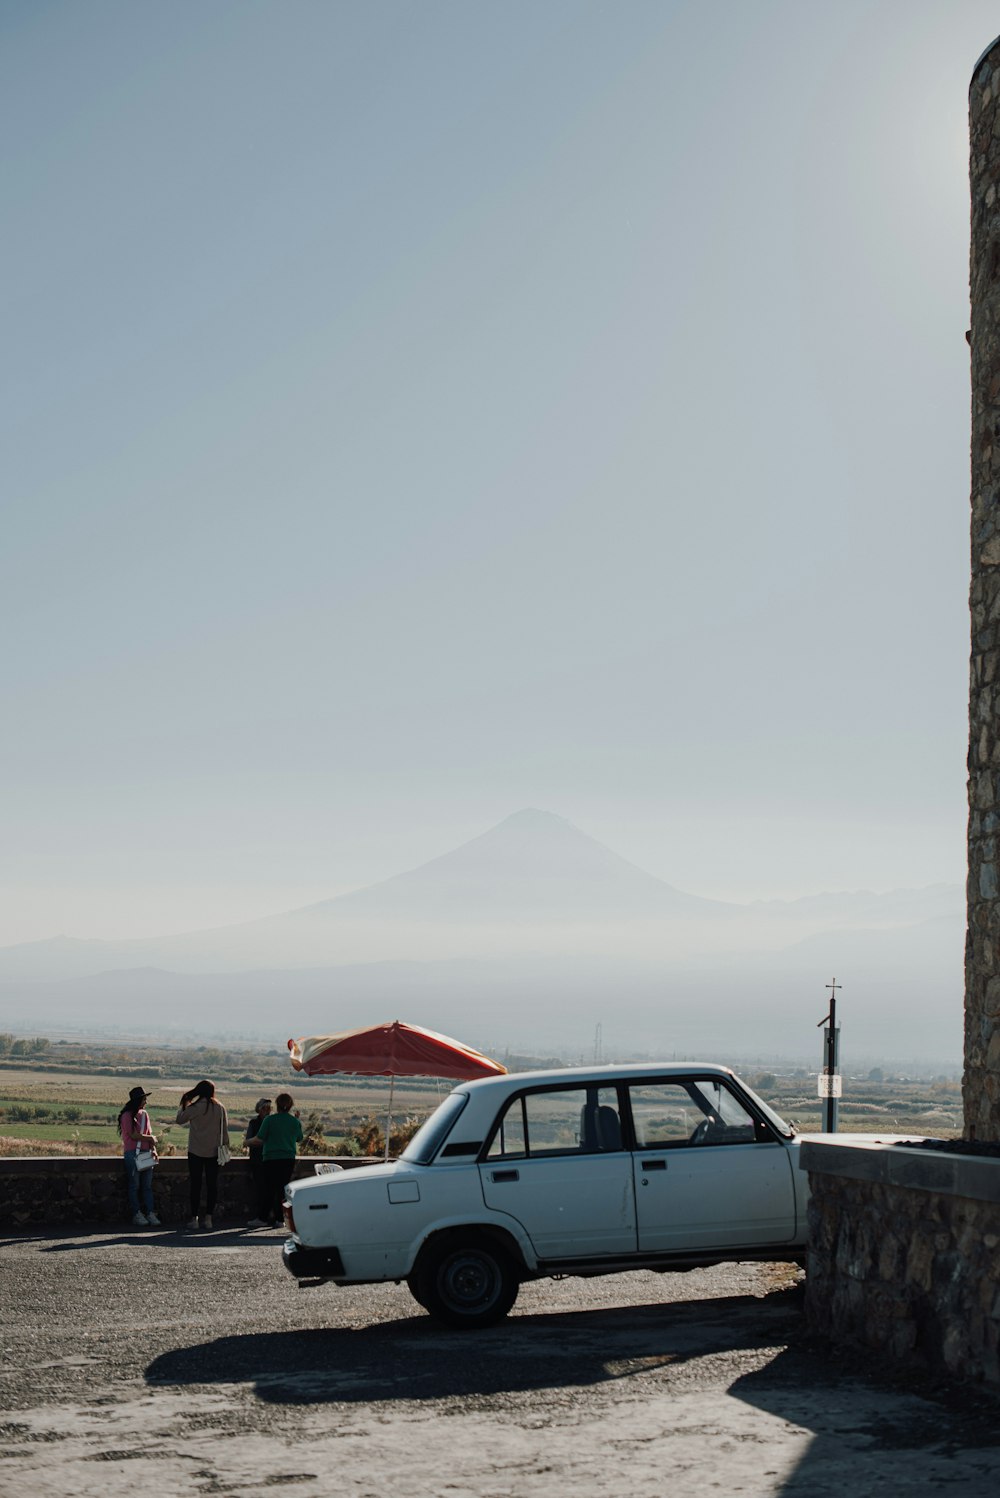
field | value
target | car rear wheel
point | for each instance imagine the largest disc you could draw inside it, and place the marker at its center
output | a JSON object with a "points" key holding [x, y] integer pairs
{"points": [[466, 1283]]}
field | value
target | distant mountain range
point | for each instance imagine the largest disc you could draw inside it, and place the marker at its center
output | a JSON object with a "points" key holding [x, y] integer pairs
{"points": [[531, 935]]}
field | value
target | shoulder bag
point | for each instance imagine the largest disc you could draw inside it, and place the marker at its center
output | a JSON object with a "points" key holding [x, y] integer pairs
{"points": [[144, 1159], [223, 1154]]}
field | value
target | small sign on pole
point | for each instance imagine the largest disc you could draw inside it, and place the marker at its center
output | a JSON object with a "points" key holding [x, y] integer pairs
{"points": [[829, 1086]]}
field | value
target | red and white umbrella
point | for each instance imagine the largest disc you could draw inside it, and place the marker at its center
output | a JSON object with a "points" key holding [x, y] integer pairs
{"points": [[390, 1050]]}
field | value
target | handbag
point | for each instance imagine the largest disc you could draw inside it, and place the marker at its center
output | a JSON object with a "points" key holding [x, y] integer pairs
{"points": [[144, 1159], [223, 1154]]}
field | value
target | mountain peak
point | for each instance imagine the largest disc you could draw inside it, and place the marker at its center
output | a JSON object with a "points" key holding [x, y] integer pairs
{"points": [[532, 866], [535, 827], [530, 816]]}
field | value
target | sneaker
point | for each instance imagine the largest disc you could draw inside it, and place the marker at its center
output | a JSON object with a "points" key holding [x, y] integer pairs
{"points": [[257, 1222], [193, 1223], [140, 1220], [206, 1222], [153, 1220]]}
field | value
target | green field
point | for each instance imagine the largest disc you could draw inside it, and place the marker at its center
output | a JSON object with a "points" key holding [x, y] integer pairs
{"points": [[75, 1112]]}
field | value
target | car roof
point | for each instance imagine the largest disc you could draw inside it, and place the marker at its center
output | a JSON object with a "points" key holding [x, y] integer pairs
{"points": [[606, 1074]]}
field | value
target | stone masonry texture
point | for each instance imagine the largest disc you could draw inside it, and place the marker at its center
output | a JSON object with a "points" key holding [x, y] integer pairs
{"points": [[40, 1193], [913, 1275], [981, 1085]]}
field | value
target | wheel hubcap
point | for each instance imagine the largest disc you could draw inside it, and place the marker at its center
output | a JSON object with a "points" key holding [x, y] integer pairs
{"points": [[470, 1281]]}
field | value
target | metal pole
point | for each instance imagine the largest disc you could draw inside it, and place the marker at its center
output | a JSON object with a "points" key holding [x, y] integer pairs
{"points": [[831, 1062], [832, 1038], [388, 1116]]}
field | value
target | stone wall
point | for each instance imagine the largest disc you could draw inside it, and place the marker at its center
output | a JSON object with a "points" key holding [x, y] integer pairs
{"points": [[40, 1193], [903, 1254], [982, 975]]}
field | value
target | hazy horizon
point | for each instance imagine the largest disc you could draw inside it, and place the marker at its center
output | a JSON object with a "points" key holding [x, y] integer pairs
{"points": [[413, 414], [399, 876], [538, 929]]}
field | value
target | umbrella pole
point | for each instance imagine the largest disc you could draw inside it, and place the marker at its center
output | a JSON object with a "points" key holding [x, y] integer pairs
{"points": [[388, 1116]]}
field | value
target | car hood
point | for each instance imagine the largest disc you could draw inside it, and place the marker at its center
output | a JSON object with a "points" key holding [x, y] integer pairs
{"points": [[849, 1137], [357, 1173]]}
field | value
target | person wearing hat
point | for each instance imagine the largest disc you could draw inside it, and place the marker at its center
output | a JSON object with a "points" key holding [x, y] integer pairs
{"points": [[137, 1137], [255, 1148]]}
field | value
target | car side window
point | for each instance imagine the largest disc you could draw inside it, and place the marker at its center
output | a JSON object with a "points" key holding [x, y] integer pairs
{"points": [[558, 1121], [730, 1121], [663, 1113], [669, 1115], [508, 1141]]}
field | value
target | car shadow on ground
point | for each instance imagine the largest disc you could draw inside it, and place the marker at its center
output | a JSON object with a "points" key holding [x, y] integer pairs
{"points": [[418, 1359]]}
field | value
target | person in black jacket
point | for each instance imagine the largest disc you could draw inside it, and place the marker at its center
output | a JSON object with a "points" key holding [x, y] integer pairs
{"points": [[255, 1148]]}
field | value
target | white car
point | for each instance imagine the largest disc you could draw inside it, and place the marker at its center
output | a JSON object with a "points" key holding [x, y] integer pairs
{"points": [[584, 1171]]}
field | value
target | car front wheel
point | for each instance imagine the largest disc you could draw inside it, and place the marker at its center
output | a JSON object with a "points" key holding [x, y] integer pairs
{"points": [[467, 1283]]}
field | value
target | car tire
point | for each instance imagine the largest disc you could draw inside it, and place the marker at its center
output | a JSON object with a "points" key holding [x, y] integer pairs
{"points": [[466, 1282]]}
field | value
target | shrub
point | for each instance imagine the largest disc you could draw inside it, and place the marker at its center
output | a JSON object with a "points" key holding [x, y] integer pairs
{"points": [[368, 1137], [346, 1146], [313, 1142]]}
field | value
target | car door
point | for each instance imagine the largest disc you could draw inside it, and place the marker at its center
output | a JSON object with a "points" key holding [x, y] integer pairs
{"points": [[707, 1173], [557, 1164]]}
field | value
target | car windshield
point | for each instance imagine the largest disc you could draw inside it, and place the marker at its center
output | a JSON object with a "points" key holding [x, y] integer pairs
{"points": [[774, 1119], [431, 1135]]}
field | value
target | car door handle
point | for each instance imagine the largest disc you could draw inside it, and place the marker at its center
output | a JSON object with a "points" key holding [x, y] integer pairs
{"points": [[504, 1175], [654, 1164]]}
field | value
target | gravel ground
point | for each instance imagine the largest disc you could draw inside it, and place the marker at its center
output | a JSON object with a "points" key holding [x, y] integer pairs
{"points": [[199, 1358]]}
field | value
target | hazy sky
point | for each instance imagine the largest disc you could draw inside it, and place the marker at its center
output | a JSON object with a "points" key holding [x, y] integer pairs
{"points": [[413, 412]]}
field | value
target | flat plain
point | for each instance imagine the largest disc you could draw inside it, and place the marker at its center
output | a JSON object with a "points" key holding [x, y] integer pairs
{"points": [[45, 1111], [71, 1107]]}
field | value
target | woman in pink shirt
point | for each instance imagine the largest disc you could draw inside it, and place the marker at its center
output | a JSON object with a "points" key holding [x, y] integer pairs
{"points": [[137, 1138]]}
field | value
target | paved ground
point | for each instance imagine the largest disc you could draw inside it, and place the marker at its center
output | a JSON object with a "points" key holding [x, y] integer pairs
{"points": [[194, 1363]]}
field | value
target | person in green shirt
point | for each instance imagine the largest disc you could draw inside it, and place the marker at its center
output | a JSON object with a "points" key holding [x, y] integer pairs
{"points": [[279, 1136]]}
